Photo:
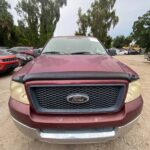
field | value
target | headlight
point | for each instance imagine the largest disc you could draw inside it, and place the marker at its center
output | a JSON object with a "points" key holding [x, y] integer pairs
{"points": [[134, 91], [18, 92]]}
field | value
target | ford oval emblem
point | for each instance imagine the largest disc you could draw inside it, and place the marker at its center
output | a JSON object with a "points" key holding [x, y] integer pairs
{"points": [[78, 98]]}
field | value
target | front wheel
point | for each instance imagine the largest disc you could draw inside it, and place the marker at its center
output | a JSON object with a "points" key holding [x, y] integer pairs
{"points": [[10, 70]]}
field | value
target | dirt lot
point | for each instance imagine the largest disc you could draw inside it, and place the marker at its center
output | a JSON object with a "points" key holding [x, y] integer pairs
{"points": [[138, 138]]}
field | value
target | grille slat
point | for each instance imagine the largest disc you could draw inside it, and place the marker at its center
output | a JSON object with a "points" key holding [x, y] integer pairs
{"points": [[9, 59], [53, 99]]}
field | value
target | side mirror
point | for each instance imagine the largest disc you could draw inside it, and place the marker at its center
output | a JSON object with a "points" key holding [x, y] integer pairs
{"points": [[111, 52], [37, 52]]}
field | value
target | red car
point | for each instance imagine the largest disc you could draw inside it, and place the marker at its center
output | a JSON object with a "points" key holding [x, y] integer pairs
{"points": [[22, 50], [8, 62], [74, 92]]}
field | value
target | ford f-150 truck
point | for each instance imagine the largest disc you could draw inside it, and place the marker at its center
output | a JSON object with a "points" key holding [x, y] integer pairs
{"points": [[74, 92]]}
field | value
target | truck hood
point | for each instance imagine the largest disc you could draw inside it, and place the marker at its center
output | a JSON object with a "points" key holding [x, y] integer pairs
{"points": [[74, 66], [73, 63]]}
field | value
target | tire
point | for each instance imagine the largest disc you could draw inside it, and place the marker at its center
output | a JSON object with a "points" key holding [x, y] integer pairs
{"points": [[11, 70]]}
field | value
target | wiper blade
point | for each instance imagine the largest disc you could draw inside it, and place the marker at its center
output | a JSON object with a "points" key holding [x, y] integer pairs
{"points": [[80, 53], [52, 52]]}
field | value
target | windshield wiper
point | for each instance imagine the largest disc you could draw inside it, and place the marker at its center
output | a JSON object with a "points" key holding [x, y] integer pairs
{"points": [[53, 52], [78, 53]]}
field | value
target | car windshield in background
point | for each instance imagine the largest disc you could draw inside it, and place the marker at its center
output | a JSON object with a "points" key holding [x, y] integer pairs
{"points": [[3, 48], [3, 52], [20, 48], [73, 45]]}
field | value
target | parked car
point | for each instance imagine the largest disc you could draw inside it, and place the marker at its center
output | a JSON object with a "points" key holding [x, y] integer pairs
{"points": [[133, 52], [24, 54], [8, 61], [3, 48], [75, 93], [22, 50], [24, 59], [121, 52], [112, 52], [147, 56], [117, 51]]}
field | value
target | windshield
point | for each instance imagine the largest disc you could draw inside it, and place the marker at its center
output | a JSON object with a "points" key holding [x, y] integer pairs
{"points": [[3, 48], [20, 48], [73, 45], [4, 52]]}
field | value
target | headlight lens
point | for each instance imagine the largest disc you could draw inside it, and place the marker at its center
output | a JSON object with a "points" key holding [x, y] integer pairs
{"points": [[134, 91], [18, 92]]}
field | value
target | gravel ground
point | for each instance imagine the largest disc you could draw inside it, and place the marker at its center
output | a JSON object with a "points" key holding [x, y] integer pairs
{"points": [[138, 138]]}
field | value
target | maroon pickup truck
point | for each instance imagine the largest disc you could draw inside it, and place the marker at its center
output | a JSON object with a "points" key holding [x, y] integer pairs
{"points": [[74, 92]]}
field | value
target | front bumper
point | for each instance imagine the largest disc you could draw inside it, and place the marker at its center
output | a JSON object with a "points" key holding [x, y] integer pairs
{"points": [[26, 115], [8, 65], [72, 129], [75, 136]]}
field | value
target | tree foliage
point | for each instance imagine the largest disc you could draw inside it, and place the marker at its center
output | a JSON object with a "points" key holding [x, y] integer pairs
{"points": [[28, 11], [83, 23], [141, 31], [6, 23], [128, 40], [98, 19], [37, 23], [49, 16], [118, 42], [39, 19], [121, 41], [21, 35], [108, 42]]}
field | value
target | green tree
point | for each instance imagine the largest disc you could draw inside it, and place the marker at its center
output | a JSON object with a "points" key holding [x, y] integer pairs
{"points": [[82, 23], [6, 24], [39, 18], [108, 41], [119, 41], [29, 12], [128, 40], [98, 19], [49, 16], [141, 31], [20, 35]]}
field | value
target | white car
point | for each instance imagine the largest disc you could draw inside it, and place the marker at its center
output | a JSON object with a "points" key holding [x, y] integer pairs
{"points": [[119, 52], [123, 52]]}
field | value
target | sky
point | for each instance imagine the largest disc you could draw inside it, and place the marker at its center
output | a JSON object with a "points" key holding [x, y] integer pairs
{"points": [[128, 11]]}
